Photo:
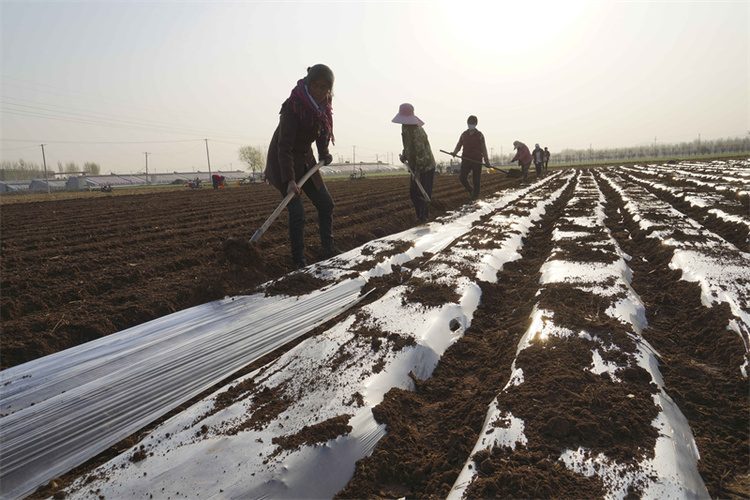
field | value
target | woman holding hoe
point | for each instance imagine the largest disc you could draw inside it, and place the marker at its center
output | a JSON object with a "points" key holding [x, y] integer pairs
{"points": [[305, 117], [417, 155]]}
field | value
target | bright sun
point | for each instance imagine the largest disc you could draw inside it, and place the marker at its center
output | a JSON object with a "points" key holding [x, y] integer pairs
{"points": [[500, 28]]}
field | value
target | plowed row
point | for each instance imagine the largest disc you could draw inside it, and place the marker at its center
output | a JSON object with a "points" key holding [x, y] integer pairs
{"points": [[77, 270], [160, 253]]}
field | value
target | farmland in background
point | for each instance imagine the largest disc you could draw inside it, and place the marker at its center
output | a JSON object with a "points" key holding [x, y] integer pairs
{"points": [[661, 322]]}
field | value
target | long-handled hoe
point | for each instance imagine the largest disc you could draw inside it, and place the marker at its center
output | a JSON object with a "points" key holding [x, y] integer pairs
{"points": [[493, 169], [419, 184], [245, 252]]}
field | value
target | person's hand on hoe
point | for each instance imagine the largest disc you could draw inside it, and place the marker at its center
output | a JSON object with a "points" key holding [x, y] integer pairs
{"points": [[326, 159], [292, 187]]}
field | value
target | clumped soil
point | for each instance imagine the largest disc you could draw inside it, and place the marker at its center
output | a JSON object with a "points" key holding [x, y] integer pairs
{"points": [[432, 430], [92, 267], [699, 355], [311, 435], [80, 269]]}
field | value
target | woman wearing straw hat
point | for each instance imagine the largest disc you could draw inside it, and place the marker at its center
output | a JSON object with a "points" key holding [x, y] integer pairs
{"points": [[305, 118], [417, 155]]}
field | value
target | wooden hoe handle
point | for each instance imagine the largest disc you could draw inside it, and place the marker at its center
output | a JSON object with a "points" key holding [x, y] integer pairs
{"points": [[284, 203]]}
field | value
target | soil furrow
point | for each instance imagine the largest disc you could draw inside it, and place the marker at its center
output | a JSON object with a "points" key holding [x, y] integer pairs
{"points": [[122, 271], [737, 234], [432, 429], [699, 357]]}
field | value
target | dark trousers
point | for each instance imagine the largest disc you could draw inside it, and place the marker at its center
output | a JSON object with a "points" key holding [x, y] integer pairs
{"points": [[539, 166], [525, 170], [323, 202], [420, 205], [476, 170]]}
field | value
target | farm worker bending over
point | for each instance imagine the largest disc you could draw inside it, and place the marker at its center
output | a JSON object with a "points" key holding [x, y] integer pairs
{"points": [[417, 155], [538, 155], [475, 149], [523, 156], [305, 117], [218, 181]]}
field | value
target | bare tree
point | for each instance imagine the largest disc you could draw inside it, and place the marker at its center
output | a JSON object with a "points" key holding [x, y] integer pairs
{"points": [[254, 158], [91, 168]]}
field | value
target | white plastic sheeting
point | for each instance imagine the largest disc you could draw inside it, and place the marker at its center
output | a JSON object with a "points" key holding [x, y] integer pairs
{"points": [[62, 409], [200, 447], [673, 472], [720, 268], [66, 407], [694, 196]]}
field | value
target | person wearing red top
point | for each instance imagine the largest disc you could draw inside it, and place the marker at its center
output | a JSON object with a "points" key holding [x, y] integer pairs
{"points": [[524, 158], [475, 149]]}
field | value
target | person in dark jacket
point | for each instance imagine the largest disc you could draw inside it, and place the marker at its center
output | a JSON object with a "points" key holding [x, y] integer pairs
{"points": [[524, 158], [475, 149], [538, 155], [306, 117], [546, 158]]}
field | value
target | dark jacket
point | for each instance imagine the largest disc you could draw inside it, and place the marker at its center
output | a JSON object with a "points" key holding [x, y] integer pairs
{"points": [[475, 149], [538, 154], [290, 153]]}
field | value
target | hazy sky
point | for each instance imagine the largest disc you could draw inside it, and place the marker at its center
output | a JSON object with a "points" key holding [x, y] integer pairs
{"points": [[107, 81]]}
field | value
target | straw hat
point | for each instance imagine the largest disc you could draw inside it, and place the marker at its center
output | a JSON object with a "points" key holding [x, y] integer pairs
{"points": [[406, 115]]}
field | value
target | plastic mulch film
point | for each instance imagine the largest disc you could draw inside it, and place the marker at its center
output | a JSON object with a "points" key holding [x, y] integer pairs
{"points": [[61, 410]]}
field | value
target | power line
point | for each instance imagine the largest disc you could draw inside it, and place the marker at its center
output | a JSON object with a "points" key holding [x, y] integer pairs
{"points": [[16, 149], [99, 142], [67, 93], [36, 109], [40, 112]]}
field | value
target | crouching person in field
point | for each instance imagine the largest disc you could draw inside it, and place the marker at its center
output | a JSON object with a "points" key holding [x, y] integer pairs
{"points": [[523, 155], [306, 117], [418, 156]]}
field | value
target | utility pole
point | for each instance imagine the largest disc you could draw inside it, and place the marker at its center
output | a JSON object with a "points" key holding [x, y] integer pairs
{"points": [[208, 158], [147, 181], [354, 155], [44, 161]]}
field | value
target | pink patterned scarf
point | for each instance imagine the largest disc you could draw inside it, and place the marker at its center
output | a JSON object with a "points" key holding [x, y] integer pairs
{"points": [[304, 107]]}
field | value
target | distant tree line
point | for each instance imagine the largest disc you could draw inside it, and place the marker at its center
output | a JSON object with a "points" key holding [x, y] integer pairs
{"points": [[89, 168], [676, 150], [22, 170], [697, 147]]}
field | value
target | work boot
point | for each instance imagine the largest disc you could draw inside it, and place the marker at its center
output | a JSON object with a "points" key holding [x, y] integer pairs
{"points": [[300, 264]]}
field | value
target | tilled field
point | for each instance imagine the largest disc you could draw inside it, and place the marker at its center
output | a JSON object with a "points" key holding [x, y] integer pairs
{"points": [[615, 319], [77, 270]]}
